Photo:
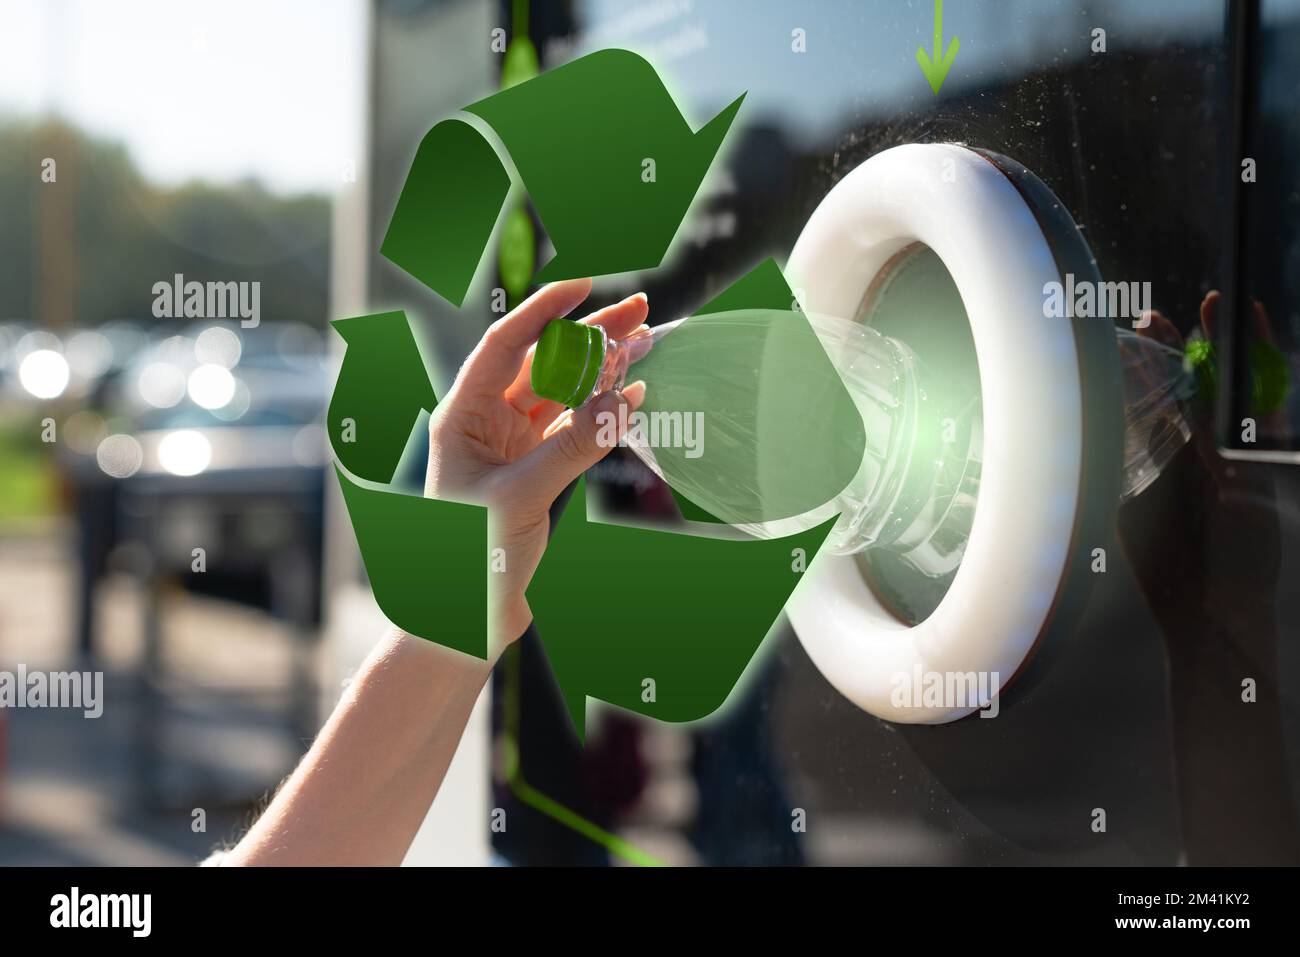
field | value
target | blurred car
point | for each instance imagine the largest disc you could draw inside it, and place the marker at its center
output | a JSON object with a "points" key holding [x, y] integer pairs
{"points": [[208, 439]]}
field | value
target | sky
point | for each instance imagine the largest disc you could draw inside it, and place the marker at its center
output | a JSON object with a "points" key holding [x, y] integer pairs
{"points": [[225, 89], [218, 91], [860, 57]]}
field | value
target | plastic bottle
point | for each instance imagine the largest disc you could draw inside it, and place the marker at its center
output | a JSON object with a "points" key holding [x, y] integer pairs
{"points": [[917, 487]]}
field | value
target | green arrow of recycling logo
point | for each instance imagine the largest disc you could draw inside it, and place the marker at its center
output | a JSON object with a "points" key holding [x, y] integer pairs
{"points": [[701, 605], [577, 162]]}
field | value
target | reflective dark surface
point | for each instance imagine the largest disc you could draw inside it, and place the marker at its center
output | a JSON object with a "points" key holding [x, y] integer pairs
{"points": [[1264, 319], [1141, 715]]}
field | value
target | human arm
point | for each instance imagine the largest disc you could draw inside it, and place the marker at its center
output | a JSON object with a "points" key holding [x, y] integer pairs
{"points": [[360, 793]]}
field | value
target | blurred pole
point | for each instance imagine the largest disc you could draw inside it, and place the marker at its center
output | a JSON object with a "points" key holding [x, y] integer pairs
{"points": [[56, 258], [56, 240], [350, 244], [425, 59]]}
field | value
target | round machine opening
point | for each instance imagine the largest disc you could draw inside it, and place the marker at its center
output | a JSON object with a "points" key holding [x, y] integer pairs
{"points": [[914, 300], [937, 250], [1013, 431]]}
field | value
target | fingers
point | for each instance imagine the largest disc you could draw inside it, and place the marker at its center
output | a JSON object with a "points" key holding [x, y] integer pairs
{"points": [[559, 422], [576, 441], [618, 321], [1263, 325], [1210, 313], [635, 395], [622, 318], [1159, 328], [495, 362]]}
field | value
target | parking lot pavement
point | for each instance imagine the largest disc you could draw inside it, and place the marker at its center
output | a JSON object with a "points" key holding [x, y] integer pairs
{"points": [[78, 790]]}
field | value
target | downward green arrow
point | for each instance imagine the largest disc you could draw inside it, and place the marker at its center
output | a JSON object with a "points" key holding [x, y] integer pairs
{"points": [[666, 623], [936, 69], [382, 387]]}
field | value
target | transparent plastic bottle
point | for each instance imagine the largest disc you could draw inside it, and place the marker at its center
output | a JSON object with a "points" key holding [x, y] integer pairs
{"points": [[916, 489], [919, 483]]}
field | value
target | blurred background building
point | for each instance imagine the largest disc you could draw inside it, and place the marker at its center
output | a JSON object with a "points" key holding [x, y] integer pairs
{"points": [[245, 142]]}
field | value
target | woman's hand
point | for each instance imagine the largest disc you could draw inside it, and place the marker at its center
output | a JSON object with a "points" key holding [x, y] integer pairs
{"points": [[494, 442], [360, 793]]}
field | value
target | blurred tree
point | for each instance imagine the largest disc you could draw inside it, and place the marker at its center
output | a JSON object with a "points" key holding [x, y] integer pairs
{"points": [[129, 233]]}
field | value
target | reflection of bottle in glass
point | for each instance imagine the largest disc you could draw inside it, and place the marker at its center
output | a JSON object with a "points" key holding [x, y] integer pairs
{"points": [[574, 361], [1158, 380]]}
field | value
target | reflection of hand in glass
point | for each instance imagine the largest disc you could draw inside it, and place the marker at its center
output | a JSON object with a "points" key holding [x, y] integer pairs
{"points": [[1205, 546], [1266, 362]]}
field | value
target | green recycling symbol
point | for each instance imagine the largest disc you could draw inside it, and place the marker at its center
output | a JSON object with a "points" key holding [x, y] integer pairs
{"points": [[701, 604]]}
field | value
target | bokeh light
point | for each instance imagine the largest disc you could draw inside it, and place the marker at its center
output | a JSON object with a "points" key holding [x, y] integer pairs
{"points": [[90, 354], [119, 456], [161, 384], [44, 373], [184, 452], [211, 386], [218, 345]]}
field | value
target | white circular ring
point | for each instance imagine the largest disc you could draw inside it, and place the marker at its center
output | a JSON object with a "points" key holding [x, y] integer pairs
{"points": [[964, 209]]}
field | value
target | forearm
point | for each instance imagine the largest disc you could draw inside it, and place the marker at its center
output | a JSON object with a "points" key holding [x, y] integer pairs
{"points": [[360, 793]]}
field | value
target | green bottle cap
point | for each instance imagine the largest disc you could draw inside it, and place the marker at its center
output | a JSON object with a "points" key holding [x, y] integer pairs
{"points": [[567, 361]]}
